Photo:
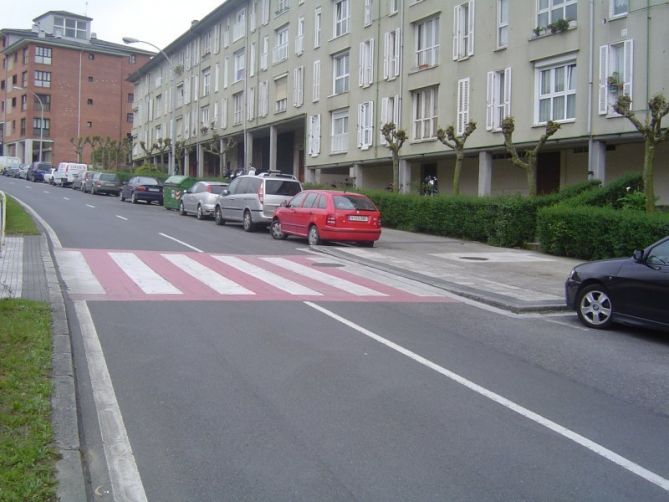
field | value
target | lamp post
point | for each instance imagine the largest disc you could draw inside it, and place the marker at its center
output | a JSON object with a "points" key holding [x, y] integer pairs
{"points": [[173, 92], [41, 124]]}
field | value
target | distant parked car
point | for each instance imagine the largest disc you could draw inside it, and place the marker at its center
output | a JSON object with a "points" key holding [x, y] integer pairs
{"points": [[68, 172], [142, 188], [80, 181], [251, 200], [12, 171], [48, 176], [200, 199], [37, 170], [23, 171], [104, 183], [633, 291], [326, 215]]}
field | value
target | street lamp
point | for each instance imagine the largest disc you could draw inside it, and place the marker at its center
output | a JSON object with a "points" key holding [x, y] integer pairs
{"points": [[172, 159], [41, 124]]}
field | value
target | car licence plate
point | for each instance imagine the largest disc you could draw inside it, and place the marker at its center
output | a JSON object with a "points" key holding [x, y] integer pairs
{"points": [[153, 190], [355, 217]]}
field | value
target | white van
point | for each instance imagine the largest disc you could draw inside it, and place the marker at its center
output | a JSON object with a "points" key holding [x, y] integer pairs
{"points": [[67, 172], [6, 162]]}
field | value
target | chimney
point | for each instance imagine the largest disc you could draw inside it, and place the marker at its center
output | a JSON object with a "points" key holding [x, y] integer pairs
{"points": [[35, 28], [94, 36], [193, 23]]}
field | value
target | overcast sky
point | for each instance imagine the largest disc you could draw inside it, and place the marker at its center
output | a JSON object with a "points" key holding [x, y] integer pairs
{"points": [[156, 21]]}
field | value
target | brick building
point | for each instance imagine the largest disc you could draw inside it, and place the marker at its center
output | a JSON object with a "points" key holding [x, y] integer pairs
{"points": [[58, 81]]}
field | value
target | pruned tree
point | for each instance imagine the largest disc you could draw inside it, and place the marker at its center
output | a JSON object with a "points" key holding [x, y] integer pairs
{"points": [[456, 143], [148, 150], [179, 149], [527, 159], [219, 146], [395, 138], [161, 147], [79, 144], [653, 134]]}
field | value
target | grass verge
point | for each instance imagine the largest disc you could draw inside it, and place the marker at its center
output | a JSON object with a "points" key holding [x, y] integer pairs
{"points": [[27, 454], [18, 221]]}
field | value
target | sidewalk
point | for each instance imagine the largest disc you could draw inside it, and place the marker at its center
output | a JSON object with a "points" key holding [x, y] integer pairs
{"points": [[27, 271], [512, 279]]}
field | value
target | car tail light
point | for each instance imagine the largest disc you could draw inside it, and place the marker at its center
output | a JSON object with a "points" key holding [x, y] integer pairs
{"points": [[261, 193], [140, 188], [209, 189], [331, 219]]}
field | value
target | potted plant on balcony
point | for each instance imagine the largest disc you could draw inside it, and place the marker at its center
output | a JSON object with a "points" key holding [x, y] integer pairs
{"points": [[559, 26], [615, 83]]}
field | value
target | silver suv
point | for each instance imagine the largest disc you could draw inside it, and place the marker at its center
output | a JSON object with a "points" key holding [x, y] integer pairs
{"points": [[252, 199]]}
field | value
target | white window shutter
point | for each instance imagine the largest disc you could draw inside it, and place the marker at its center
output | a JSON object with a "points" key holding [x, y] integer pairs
{"points": [[316, 135], [226, 64], [217, 75], [603, 76], [361, 65], [470, 29], [316, 80], [361, 118], [370, 63], [490, 101], [507, 92], [463, 105], [386, 55], [370, 125], [628, 67], [456, 32], [398, 52], [396, 110], [384, 118]]}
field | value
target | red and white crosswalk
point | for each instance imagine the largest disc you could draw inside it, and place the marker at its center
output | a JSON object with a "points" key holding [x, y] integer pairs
{"points": [[116, 275]]}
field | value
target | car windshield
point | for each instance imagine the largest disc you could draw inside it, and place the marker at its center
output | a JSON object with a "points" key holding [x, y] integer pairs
{"points": [[353, 202], [108, 177], [282, 187], [147, 181], [217, 188]]}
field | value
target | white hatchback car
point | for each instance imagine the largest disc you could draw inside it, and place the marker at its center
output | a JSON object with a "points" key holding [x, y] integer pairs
{"points": [[200, 199]]}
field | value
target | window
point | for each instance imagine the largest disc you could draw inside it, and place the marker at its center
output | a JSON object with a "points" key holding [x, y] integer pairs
{"points": [[44, 125], [317, 27], [264, 11], [90, 78], [365, 125], [23, 127], [237, 108], [619, 8], [314, 136], [341, 72], [463, 106], [390, 113], [131, 97], [339, 143], [239, 25], [391, 54], [24, 79], [341, 18], [226, 33], [253, 15], [217, 38], [367, 16], [556, 93], [206, 43], [24, 103], [180, 94], [299, 39], [91, 56], [89, 101], [281, 44], [463, 30], [425, 111], [129, 117], [204, 116], [70, 28], [316, 82], [239, 62], [43, 55], [298, 86], [206, 82], [45, 102], [281, 6], [366, 64], [281, 94], [615, 74], [42, 78], [502, 23], [426, 42], [549, 11], [393, 7], [498, 102], [132, 59]]}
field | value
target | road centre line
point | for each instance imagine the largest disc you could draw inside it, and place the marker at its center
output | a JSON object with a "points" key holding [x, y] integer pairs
{"points": [[181, 242], [507, 403], [90, 206], [121, 217], [66, 198], [122, 467]]}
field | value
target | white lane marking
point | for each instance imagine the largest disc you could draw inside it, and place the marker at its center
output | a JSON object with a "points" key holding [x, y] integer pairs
{"points": [[52, 235], [77, 274], [123, 472], [267, 277], [600, 450], [331, 280], [46, 191], [90, 206], [122, 217], [181, 242], [142, 275], [66, 198], [207, 276]]}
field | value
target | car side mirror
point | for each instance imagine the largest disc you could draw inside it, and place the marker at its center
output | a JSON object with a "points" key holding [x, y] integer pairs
{"points": [[638, 256], [285, 203], [225, 192]]}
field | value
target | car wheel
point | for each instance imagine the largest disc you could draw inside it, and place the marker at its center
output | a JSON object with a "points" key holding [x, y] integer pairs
{"points": [[313, 237], [275, 230], [92, 190], [594, 307], [122, 197], [199, 214], [218, 216], [133, 198], [366, 244], [182, 210], [247, 221]]}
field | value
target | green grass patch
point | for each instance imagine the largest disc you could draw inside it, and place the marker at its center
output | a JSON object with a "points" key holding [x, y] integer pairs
{"points": [[27, 454], [18, 221]]}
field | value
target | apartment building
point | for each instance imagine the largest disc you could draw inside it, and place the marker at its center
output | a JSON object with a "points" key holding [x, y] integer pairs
{"points": [[58, 81], [305, 86]]}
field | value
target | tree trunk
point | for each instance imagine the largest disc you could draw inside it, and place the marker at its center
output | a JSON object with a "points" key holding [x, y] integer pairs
{"points": [[531, 173], [396, 172], [459, 158], [648, 178]]}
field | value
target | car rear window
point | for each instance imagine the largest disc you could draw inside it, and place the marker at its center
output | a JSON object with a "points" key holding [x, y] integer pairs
{"points": [[353, 202], [282, 187], [108, 177], [217, 188], [147, 181]]}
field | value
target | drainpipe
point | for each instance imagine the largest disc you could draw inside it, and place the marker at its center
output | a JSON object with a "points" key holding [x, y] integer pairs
{"points": [[591, 69], [81, 52], [647, 57]]}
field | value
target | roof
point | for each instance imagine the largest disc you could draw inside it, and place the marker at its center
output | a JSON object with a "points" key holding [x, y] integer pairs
{"points": [[63, 13]]}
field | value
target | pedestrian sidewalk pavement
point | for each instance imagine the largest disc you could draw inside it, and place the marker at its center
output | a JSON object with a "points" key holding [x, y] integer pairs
{"points": [[517, 280], [22, 273]]}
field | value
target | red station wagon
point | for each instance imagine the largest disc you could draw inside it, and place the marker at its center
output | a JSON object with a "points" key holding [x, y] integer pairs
{"points": [[325, 215]]}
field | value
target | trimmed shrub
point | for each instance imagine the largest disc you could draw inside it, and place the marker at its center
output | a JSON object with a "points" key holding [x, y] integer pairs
{"points": [[611, 194]]}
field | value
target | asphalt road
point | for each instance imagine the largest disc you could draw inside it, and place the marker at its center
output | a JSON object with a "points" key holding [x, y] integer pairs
{"points": [[319, 399]]}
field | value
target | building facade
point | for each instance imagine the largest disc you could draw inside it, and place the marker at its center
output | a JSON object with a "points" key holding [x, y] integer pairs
{"points": [[59, 82], [304, 86]]}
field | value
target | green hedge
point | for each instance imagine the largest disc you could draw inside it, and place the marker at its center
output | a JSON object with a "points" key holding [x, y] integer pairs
{"points": [[611, 194], [592, 233]]}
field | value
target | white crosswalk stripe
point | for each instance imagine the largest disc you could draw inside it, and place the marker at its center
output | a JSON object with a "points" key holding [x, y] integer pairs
{"points": [[330, 280], [142, 275], [77, 274], [207, 276], [267, 276]]}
